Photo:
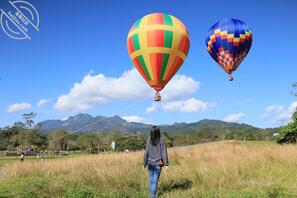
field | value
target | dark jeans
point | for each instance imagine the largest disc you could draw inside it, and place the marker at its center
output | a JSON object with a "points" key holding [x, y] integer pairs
{"points": [[154, 173]]}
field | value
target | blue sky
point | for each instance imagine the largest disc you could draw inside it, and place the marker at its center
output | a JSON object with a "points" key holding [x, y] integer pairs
{"points": [[79, 40]]}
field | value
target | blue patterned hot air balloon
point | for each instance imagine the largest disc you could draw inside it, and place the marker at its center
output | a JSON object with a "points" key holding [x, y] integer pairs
{"points": [[228, 42]]}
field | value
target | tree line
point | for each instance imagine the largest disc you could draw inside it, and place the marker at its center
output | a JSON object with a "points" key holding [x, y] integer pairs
{"points": [[24, 134]]}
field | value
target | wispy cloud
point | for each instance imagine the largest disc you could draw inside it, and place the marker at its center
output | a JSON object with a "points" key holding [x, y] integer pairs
{"points": [[152, 108], [42, 102], [245, 101], [18, 107], [138, 119], [234, 117], [279, 114], [189, 105]]}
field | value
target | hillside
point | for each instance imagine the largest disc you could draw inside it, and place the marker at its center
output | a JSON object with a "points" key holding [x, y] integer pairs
{"points": [[86, 123], [204, 124]]}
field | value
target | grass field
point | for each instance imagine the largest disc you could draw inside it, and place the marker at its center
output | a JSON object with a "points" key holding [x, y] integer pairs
{"points": [[219, 169]]}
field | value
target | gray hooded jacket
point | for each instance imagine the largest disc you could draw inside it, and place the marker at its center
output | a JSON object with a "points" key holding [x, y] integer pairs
{"points": [[154, 154]]}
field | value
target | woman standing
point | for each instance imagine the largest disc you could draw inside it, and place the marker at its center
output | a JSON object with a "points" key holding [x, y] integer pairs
{"points": [[155, 157]]}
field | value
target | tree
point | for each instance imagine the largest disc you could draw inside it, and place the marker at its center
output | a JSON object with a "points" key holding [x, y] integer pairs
{"points": [[19, 125], [288, 134], [89, 142], [37, 139], [59, 140], [5, 136], [23, 134], [294, 115], [229, 135], [28, 120], [168, 140], [130, 142]]}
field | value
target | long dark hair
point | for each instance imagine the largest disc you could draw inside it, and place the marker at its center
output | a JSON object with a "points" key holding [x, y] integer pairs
{"points": [[155, 135]]}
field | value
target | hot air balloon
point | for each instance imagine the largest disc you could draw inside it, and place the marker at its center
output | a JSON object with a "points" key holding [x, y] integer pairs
{"points": [[228, 42], [158, 44]]}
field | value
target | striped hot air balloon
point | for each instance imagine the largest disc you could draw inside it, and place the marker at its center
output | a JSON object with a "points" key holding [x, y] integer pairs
{"points": [[158, 44], [228, 42]]}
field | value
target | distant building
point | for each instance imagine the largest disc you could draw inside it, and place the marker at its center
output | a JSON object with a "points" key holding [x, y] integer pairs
{"points": [[26, 149]]}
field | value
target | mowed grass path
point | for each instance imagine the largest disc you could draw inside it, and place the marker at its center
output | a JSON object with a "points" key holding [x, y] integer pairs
{"points": [[219, 169]]}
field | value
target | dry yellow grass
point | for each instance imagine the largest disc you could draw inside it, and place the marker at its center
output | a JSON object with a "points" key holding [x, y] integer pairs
{"points": [[220, 169]]}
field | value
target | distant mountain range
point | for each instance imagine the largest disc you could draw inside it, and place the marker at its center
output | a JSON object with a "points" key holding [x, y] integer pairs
{"points": [[86, 123]]}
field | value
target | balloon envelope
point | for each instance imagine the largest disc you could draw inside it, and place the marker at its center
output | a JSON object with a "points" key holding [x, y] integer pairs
{"points": [[228, 42], [158, 44]]}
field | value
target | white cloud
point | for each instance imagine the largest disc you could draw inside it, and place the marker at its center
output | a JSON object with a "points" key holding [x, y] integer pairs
{"points": [[245, 101], [292, 108], [234, 117], [99, 89], [280, 115], [65, 118], [275, 108], [264, 115], [18, 107], [189, 105], [152, 108], [42, 102], [180, 87], [138, 119]]}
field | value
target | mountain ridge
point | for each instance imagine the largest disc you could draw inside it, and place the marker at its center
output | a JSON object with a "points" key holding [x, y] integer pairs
{"points": [[87, 123]]}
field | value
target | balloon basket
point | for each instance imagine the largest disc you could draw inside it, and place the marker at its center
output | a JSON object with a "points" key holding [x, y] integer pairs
{"points": [[157, 97]]}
